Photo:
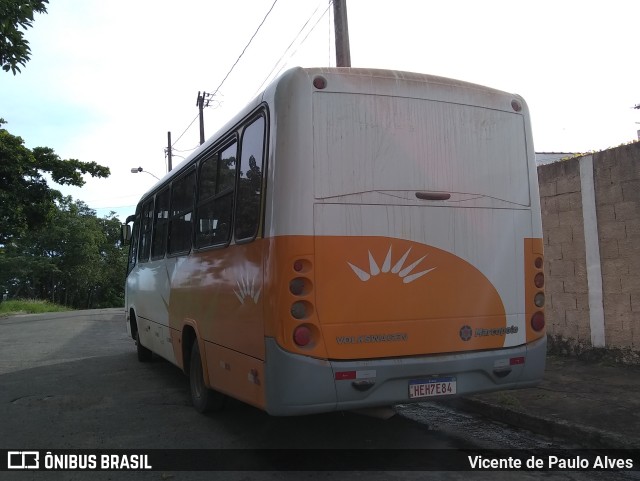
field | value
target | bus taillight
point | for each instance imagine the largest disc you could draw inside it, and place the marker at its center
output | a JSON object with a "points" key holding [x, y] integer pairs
{"points": [[302, 335], [302, 304], [537, 321], [534, 289], [538, 280]]}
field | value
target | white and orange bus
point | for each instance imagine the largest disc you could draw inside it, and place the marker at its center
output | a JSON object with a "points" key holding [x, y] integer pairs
{"points": [[353, 238]]}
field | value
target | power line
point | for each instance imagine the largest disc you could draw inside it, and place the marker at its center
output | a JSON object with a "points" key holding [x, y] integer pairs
{"points": [[186, 150], [185, 130], [245, 49], [229, 72], [293, 42]]}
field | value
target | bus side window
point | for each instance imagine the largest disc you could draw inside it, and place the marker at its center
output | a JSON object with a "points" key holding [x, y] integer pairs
{"points": [[215, 190], [133, 247], [161, 224], [145, 232], [250, 181], [182, 199]]}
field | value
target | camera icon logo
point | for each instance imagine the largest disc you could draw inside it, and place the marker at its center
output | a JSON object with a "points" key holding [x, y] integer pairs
{"points": [[23, 460]]}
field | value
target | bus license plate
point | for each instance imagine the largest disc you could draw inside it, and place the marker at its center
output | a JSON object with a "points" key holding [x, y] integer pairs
{"points": [[432, 387]]}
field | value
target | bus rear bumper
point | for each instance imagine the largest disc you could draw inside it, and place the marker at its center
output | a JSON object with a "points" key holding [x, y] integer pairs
{"points": [[298, 385]]}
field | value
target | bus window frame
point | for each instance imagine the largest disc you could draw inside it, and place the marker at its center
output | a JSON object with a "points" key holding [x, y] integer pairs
{"points": [[211, 154], [151, 200], [261, 112], [167, 189], [189, 170], [132, 262], [234, 134]]}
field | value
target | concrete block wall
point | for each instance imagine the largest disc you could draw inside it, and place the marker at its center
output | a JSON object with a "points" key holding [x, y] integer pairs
{"points": [[591, 223], [617, 187], [567, 306]]}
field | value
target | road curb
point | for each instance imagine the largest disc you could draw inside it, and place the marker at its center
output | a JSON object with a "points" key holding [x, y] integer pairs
{"points": [[585, 436]]}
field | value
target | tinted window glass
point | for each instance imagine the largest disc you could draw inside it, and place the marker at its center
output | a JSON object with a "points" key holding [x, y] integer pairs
{"points": [[216, 185], [250, 181], [133, 248], [208, 177], [145, 231], [227, 172], [182, 199], [214, 222], [160, 229]]}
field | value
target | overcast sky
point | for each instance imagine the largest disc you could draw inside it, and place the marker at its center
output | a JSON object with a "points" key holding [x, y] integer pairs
{"points": [[109, 79]]}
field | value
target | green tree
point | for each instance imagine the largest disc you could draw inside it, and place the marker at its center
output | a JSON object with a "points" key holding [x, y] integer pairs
{"points": [[74, 259], [14, 16], [109, 291], [26, 200]]}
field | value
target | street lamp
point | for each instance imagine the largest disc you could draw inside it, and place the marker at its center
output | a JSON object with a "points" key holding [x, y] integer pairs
{"points": [[135, 170]]}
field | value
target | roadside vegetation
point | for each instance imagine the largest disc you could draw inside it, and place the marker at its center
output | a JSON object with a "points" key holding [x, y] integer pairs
{"points": [[74, 259], [52, 248], [29, 306]]}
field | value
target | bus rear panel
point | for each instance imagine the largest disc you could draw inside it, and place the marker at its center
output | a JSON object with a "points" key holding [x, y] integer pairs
{"points": [[419, 248], [381, 244]]}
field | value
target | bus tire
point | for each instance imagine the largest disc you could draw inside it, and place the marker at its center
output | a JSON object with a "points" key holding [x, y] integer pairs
{"points": [[144, 354], [203, 398]]}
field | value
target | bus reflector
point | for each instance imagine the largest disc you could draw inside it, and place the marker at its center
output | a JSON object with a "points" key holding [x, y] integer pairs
{"points": [[302, 336], [345, 375], [516, 360], [298, 266], [537, 321]]}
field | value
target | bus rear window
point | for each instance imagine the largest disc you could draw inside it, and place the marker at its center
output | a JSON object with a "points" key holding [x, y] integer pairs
{"points": [[365, 143]]}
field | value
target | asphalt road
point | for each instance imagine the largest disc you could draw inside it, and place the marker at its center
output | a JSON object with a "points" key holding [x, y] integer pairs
{"points": [[73, 381]]}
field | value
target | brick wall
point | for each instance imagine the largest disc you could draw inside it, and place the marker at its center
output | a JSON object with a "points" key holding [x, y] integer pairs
{"points": [[593, 278]]}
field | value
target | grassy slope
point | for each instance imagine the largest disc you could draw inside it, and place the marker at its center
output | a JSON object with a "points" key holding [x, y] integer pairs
{"points": [[29, 306]]}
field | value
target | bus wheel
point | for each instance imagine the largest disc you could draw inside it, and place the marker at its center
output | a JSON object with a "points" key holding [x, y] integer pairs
{"points": [[203, 398], [144, 354]]}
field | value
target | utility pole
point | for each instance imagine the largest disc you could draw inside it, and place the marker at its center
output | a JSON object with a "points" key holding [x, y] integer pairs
{"points": [[341, 28], [203, 101], [169, 166]]}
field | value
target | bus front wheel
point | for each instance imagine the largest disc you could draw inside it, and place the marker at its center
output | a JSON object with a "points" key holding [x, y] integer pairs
{"points": [[203, 398]]}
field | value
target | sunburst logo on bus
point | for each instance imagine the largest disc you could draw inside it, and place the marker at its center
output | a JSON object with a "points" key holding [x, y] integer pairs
{"points": [[247, 290], [399, 269]]}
